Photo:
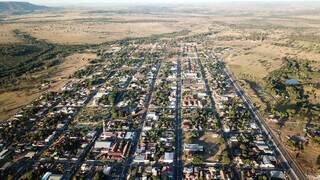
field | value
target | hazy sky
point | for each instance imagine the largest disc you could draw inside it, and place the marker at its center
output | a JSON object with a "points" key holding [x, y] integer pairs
{"points": [[96, 2], [134, 1]]}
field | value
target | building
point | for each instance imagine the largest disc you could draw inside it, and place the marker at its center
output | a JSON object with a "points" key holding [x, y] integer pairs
{"points": [[192, 147], [168, 157], [50, 176], [102, 145]]}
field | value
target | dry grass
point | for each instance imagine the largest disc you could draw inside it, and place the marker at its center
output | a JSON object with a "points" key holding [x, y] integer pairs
{"points": [[11, 102], [212, 147], [253, 59], [6, 34], [71, 64], [78, 27], [307, 157]]}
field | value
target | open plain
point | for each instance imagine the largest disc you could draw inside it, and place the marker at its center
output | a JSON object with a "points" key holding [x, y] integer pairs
{"points": [[262, 45]]}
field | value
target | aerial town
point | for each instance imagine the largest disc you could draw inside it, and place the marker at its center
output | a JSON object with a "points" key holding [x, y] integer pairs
{"points": [[143, 110], [159, 90]]}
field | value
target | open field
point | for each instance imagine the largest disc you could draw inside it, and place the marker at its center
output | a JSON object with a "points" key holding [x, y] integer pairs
{"points": [[252, 60], [253, 46], [86, 28], [72, 63], [12, 101]]}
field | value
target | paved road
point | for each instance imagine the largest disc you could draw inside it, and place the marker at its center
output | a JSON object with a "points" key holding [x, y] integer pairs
{"points": [[209, 92], [135, 142], [295, 171], [81, 159], [204, 76], [178, 164], [30, 163]]}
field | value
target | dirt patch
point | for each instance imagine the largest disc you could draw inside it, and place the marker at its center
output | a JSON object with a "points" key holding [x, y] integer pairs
{"points": [[71, 64], [11, 102]]}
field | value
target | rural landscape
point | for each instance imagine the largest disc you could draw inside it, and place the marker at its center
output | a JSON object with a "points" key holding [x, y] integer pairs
{"points": [[160, 91]]}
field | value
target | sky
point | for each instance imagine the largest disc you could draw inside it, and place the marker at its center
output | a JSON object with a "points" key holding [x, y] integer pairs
{"points": [[133, 2]]}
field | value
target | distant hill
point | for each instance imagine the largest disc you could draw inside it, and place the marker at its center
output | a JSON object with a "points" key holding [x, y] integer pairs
{"points": [[11, 6]]}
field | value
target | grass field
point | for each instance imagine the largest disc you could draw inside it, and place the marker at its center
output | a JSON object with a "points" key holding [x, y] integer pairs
{"points": [[257, 41], [252, 60], [12, 101]]}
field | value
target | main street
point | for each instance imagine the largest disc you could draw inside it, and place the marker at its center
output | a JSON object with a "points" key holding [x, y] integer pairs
{"points": [[178, 150], [136, 139]]}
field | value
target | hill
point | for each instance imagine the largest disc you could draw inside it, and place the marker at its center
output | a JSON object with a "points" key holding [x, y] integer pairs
{"points": [[19, 7]]}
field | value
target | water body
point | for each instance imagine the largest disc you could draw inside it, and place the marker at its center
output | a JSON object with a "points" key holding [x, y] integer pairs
{"points": [[292, 82]]}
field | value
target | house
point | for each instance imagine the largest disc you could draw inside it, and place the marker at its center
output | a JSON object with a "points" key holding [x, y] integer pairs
{"points": [[267, 162], [277, 175], [186, 125], [187, 170], [190, 101], [86, 167], [91, 134], [192, 147], [274, 120], [253, 126], [202, 95], [153, 116], [147, 127], [4, 154], [50, 176], [102, 145], [129, 135], [215, 135], [50, 137], [261, 145], [168, 157], [140, 159], [97, 97]]}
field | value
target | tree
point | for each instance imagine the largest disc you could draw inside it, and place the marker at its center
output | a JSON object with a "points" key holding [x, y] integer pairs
{"points": [[114, 112], [197, 161], [318, 160], [262, 177], [225, 158], [97, 176]]}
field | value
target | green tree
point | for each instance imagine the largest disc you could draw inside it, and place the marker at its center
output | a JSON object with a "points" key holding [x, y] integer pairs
{"points": [[318, 160], [197, 160], [225, 158]]}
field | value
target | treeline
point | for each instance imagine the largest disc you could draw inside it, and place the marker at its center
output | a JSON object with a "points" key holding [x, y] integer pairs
{"points": [[254, 36], [292, 98], [141, 40], [30, 56], [308, 38]]}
